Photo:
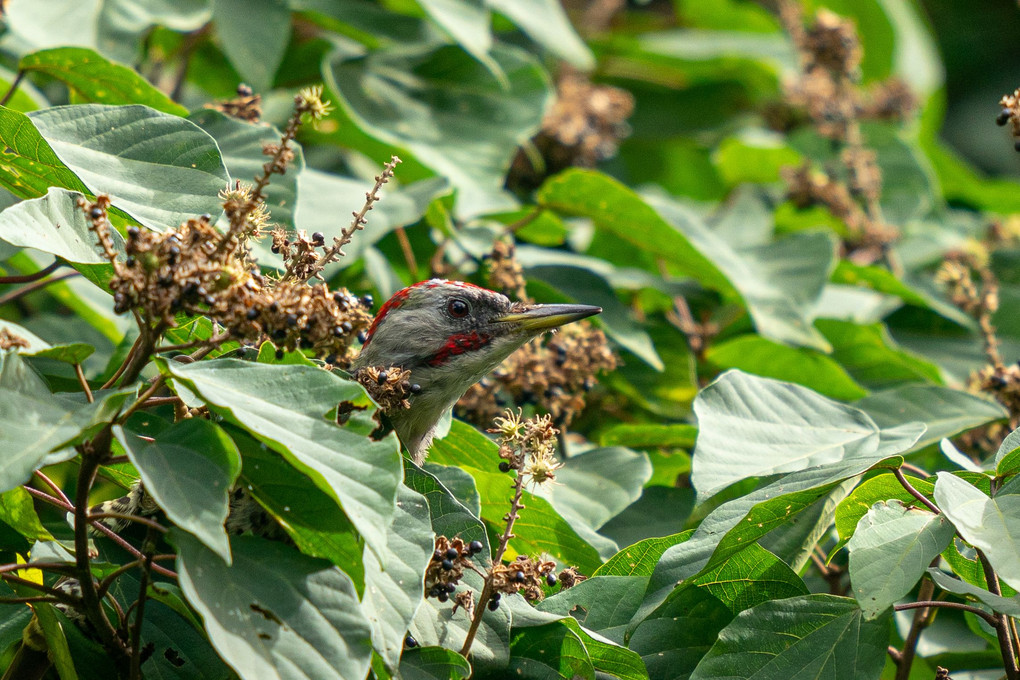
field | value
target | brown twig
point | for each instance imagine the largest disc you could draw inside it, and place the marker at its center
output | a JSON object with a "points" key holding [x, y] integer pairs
{"points": [[84, 383], [914, 492], [29, 278], [34, 286], [917, 624], [156, 526], [504, 540], [53, 485], [405, 247], [925, 604], [1000, 622], [13, 88]]}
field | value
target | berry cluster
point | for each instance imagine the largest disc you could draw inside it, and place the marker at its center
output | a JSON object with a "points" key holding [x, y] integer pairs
{"points": [[390, 387], [446, 568]]}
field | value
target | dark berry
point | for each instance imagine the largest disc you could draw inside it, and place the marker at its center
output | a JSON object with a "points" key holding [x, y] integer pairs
{"points": [[209, 300], [476, 547], [244, 90], [367, 300], [174, 250], [252, 314], [331, 359], [451, 588], [291, 319], [519, 577], [273, 307], [493, 603], [437, 555], [279, 354], [551, 580], [338, 297], [130, 262], [504, 466], [165, 281], [132, 232], [435, 590], [452, 553], [96, 213], [338, 331], [275, 249], [205, 217], [318, 239], [446, 564], [415, 388], [346, 326], [362, 337], [1003, 117], [496, 596], [410, 642], [1016, 145], [381, 378], [279, 334], [443, 597]]}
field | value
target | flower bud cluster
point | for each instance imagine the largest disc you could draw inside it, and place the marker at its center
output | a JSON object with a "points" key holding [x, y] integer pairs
{"points": [[390, 386], [528, 446]]}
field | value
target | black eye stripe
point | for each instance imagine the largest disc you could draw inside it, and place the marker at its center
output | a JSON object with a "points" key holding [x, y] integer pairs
{"points": [[457, 308]]}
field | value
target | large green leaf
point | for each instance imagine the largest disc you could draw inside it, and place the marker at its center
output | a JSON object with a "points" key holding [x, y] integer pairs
{"points": [[283, 406], [54, 224], [35, 425], [30, 166], [546, 22], [253, 35], [394, 588], [452, 113], [552, 651], [275, 613], [605, 604], [640, 559], [467, 22], [159, 168], [241, 147], [94, 78], [760, 356], [806, 636], [433, 663], [599, 484], [991, 525], [871, 356], [945, 412], [884, 487], [189, 469], [71, 353], [751, 427], [890, 551]]}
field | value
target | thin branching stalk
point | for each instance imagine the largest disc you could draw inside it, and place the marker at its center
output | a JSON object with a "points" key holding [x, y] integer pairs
{"points": [[29, 278], [13, 88], [917, 625], [84, 383], [148, 549], [34, 286], [1001, 623], [914, 492], [155, 526]]}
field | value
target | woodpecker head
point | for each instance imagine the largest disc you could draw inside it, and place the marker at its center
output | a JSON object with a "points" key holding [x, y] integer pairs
{"points": [[449, 334]]}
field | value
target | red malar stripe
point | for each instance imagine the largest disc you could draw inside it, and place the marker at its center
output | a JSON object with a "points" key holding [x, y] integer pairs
{"points": [[458, 344]]}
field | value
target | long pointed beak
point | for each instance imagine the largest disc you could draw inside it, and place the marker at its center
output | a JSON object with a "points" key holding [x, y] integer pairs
{"points": [[543, 317]]}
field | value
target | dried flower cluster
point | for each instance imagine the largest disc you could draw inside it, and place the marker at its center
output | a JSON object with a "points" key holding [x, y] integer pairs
{"points": [[528, 446], [1010, 114], [10, 340], [194, 269], [525, 576], [247, 106], [554, 373], [583, 126], [389, 386], [827, 91], [446, 568]]}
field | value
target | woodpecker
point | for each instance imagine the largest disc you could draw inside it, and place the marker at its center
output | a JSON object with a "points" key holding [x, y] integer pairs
{"points": [[449, 334]]}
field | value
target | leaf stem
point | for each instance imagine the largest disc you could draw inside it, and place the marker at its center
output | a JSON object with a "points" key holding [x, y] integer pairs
{"points": [[1001, 622], [29, 278], [924, 603], [13, 88], [32, 287], [84, 383], [914, 492]]}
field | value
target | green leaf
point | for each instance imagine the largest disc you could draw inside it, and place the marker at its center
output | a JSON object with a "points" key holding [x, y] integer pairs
{"points": [[1007, 460], [754, 156], [73, 353], [189, 470], [871, 356], [56, 641], [433, 663], [779, 282], [467, 22], [94, 78], [283, 406], [752, 427], [599, 484], [309, 515], [241, 147], [757, 355], [639, 559], [604, 605], [253, 35], [549, 651], [546, 22], [159, 168], [30, 166], [17, 511], [616, 209], [648, 435], [1009, 606], [55, 224], [37, 426], [275, 613], [944, 411], [890, 551], [394, 589], [806, 636], [448, 110], [745, 580], [608, 658], [991, 525], [883, 487]]}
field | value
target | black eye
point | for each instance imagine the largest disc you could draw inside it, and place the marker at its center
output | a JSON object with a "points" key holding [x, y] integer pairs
{"points": [[457, 308]]}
